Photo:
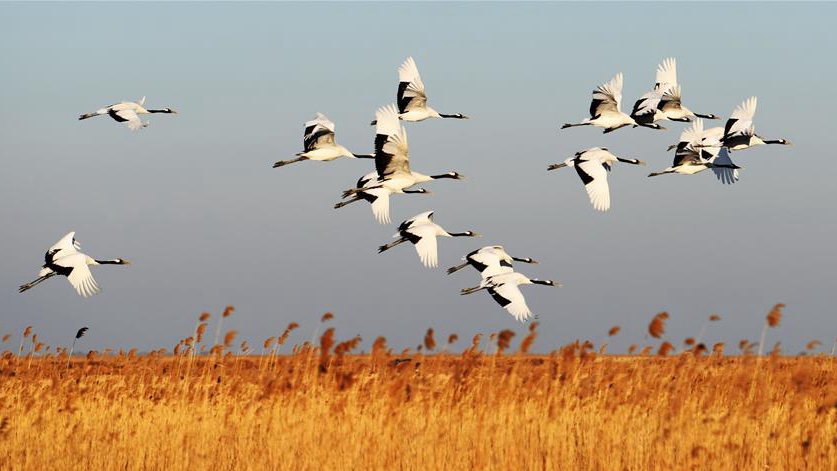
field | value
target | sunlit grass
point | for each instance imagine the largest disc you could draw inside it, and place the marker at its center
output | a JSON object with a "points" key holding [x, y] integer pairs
{"points": [[488, 406]]}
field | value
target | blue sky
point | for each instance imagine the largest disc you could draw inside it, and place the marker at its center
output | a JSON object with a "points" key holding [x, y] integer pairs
{"points": [[194, 203]]}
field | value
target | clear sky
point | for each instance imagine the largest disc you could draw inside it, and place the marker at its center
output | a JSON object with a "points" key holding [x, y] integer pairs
{"points": [[194, 203]]}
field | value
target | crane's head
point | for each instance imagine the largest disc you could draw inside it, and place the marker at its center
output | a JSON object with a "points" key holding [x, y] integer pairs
{"points": [[545, 283], [454, 175]]}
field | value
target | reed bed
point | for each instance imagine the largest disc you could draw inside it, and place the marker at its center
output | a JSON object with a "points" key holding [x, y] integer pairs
{"points": [[330, 409]]}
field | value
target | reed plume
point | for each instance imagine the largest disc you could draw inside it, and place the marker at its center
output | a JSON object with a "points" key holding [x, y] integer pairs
{"points": [[529, 340], [665, 349], [773, 318], [79, 334], [504, 340], [229, 337], [429, 341], [657, 327], [326, 342]]}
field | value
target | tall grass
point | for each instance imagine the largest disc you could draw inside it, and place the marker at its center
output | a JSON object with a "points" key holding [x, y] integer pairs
{"points": [[492, 406]]}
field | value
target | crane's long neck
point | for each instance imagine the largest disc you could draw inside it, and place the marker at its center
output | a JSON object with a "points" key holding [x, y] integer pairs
{"points": [[115, 261], [451, 175], [707, 116], [567, 163], [461, 234], [455, 116]]}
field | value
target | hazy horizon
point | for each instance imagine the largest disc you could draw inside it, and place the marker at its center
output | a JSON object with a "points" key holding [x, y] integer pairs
{"points": [[193, 202]]}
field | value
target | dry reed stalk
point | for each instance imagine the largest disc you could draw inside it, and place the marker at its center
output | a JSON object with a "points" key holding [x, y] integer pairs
{"points": [[326, 342], [529, 340], [712, 318], [227, 313], [773, 318], [79, 334], [26, 333], [323, 319], [281, 341]]}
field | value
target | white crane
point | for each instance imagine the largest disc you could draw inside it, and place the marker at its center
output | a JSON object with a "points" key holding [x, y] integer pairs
{"points": [[592, 166], [127, 112], [740, 133], [411, 97], [670, 105], [392, 157], [504, 288], [489, 261], [378, 197], [64, 259], [700, 149], [605, 109], [421, 231], [319, 144]]}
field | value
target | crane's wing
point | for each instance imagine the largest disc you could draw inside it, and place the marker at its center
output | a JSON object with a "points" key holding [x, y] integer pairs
{"points": [[319, 132], [666, 74], [128, 116], [688, 149], [426, 246], [741, 121], [416, 220], [380, 206], [686, 155], [694, 133], [725, 175], [647, 103], [671, 99], [489, 263], [80, 276], [410, 87], [141, 101], [370, 179], [712, 137], [607, 96], [67, 245], [594, 177], [498, 268], [509, 296], [391, 149]]}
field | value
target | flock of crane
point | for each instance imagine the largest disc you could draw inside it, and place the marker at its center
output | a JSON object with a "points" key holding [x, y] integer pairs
{"points": [[698, 149]]}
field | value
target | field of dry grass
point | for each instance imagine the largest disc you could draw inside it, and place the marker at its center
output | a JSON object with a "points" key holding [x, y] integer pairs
{"points": [[325, 408]]}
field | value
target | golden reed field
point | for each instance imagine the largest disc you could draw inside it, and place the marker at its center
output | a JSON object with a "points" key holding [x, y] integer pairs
{"points": [[491, 406]]}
